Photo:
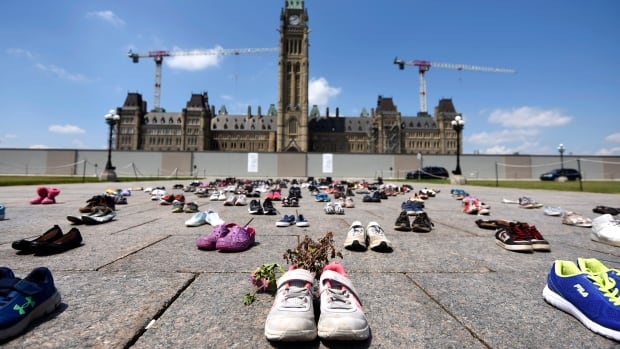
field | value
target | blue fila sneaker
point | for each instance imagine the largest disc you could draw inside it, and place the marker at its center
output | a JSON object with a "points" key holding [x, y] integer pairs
{"points": [[23, 301], [591, 298]]}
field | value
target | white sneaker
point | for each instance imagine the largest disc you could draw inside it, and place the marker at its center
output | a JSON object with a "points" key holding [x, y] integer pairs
{"points": [[291, 317], [198, 219], [241, 200], [342, 316], [606, 229], [376, 238], [213, 218], [356, 237]]}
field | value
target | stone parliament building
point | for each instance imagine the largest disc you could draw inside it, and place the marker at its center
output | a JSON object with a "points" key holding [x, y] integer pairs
{"points": [[289, 125]]}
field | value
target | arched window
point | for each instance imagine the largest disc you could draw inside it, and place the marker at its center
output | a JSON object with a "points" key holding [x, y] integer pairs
{"points": [[292, 126]]}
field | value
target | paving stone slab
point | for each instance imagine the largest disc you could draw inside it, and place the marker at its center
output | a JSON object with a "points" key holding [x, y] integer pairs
{"points": [[103, 309]]}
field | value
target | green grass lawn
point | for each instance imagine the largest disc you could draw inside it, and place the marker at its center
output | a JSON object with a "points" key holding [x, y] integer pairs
{"points": [[610, 187]]}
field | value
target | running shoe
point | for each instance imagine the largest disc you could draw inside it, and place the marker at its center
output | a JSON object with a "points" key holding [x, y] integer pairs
{"points": [[22, 301], [356, 237], [291, 317], [376, 238], [591, 298], [342, 316]]}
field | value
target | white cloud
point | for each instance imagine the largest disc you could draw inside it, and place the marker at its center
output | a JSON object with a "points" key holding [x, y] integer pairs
{"points": [[614, 138], [38, 146], [10, 135], [609, 151], [20, 53], [319, 92], [503, 136], [107, 16], [60, 72], [194, 60], [529, 117], [66, 129]]}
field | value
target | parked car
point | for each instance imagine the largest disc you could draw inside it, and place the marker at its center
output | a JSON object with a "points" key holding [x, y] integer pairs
{"points": [[570, 173], [429, 172]]}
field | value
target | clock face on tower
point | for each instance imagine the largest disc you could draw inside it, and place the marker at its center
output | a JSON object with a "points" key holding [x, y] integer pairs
{"points": [[293, 20]]}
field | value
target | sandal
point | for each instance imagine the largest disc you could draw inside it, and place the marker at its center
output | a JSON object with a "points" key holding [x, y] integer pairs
{"points": [[572, 218]]}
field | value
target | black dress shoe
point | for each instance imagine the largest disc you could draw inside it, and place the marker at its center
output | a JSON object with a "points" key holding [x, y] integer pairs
{"points": [[70, 240], [52, 234]]}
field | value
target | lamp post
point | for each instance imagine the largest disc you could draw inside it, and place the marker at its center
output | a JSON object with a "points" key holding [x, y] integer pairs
{"points": [[561, 150], [108, 174], [458, 124]]}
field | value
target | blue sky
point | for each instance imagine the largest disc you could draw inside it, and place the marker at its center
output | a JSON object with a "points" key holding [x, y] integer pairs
{"points": [[64, 64]]}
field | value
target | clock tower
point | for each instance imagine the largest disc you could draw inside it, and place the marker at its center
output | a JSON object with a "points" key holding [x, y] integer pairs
{"points": [[292, 122]]}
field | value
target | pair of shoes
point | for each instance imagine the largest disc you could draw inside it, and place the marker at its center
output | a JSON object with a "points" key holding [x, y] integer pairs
{"points": [[288, 220], [521, 237], [373, 237], [274, 194], [51, 242], [229, 237], [45, 196], [572, 218], [321, 197], [291, 201], [587, 290], [266, 208], [606, 229], [292, 316], [23, 301], [236, 200], [98, 215], [98, 202]]}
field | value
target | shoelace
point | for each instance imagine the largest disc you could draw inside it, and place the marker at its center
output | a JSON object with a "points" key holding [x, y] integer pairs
{"points": [[338, 299], [295, 297], [377, 230], [607, 286], [358, 230], [517, 233]]}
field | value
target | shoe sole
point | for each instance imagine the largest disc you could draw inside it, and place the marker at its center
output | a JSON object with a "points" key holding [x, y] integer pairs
{"points": [[381, 247], [355, 246], [526, 247], [559, 302], [47, 307], [344, 335], [290, 336]]}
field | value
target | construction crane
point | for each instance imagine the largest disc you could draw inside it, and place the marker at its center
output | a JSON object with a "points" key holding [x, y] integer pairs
{"points": [[424, 66], [158, 56]]}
